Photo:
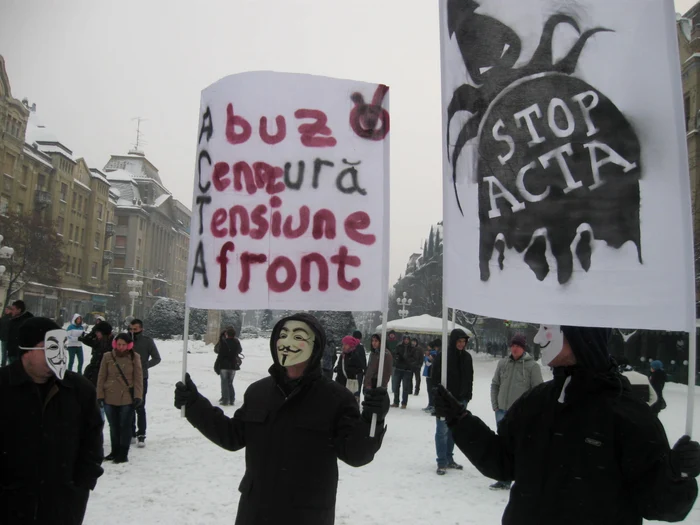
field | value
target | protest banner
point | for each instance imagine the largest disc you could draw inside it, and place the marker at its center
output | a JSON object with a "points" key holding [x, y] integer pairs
{"points": [[291, 204], [566, 188]]}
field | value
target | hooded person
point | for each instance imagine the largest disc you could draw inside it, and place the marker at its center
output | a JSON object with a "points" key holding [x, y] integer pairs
{"points": [[657, 380], [580, 448], [51, 432], [102, 344], [75, 331], [295, 424]]}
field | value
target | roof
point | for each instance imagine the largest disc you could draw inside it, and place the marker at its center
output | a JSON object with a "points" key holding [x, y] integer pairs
{"points": [[422, 324], [29, 152], [161, 199], [97, 174], [83, 185], [119, 176]]}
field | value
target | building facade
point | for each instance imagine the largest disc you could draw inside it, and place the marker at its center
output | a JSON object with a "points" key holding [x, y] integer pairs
{"points": [[151, 242], [41, 175]]}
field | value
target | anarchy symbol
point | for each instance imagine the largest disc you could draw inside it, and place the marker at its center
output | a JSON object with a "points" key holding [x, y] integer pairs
{"points": [[370, 121]]}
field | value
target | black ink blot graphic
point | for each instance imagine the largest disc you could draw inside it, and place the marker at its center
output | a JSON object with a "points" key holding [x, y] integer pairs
{"points": [[558, 162]]}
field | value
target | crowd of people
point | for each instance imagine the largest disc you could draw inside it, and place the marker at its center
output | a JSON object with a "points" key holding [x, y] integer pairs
{"points": [[586, 436]]}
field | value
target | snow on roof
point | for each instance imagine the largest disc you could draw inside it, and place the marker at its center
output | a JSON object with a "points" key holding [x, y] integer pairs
{"points": [[692, 57], [37, 132], [56, 148], [161, 199], [115, 192], [422, 324], [119, 176], [97, 174], [29, 152], [83, 185]]}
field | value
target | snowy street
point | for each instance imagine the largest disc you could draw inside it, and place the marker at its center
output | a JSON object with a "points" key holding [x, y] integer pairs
{"points": [[182, 478]]}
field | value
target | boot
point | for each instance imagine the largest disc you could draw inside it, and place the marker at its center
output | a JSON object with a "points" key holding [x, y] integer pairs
{"points": [[110, 456], [122, 455]]}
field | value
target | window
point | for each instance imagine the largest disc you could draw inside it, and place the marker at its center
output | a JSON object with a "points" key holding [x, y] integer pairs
{"points": [[77, 232], [9, 165], [686, 108], [138, 264], [118, 262], [20, 209], [80, 203], [41, 181], [7, 184], [75, 200], [99, 211], [72, 266], [141, 224], [138, 242], [59, 226], [122, 220], [97, 241], [4, 204], [93, 270], [82, 236], [25, 175], [70, 232], [64, 191], [120, 241], [80, 266]]}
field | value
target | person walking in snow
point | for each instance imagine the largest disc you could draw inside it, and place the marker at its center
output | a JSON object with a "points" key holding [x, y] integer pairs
{"points": [[373, 365], [295, 425], [361, 356], [120, 393], [350, 366], [50, 433], [419, 355], [228, 360], [19, 315], [406, 359], [147, 350], [581, 449], [658, 381], [428, 358], [459, 381], [515, 374], [75, 348]]}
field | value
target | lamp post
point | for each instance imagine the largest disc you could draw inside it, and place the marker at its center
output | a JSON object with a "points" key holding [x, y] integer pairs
{"points": [[403, 302], [135, 286]]}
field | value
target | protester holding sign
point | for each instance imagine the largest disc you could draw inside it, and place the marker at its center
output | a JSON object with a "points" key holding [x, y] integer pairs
{"points": [[295, 425], [580, 448]]}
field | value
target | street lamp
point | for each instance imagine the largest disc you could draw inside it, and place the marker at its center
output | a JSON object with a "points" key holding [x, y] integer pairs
{"points": [[403, 303], [135, 286]]}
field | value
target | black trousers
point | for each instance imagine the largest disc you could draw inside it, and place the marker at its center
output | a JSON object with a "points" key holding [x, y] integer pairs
{"points": [[139, 426]]}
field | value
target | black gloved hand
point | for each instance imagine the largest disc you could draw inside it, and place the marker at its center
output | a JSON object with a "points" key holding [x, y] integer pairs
{"points": [[685, 457], [447, 406], [185, 394], [137, 403], [376, 402], [101, 403]]}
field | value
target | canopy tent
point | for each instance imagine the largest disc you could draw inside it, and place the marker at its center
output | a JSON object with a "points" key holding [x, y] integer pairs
{"points": [[422, 324]]}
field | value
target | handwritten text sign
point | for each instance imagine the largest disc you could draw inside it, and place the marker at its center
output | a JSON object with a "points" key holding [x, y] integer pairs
{"points": [[291, 194]]}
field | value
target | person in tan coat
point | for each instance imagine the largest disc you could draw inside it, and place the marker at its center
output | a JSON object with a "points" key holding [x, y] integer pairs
{"points": [[120, 391]]}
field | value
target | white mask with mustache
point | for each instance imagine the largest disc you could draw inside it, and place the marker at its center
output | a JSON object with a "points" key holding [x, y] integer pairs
{"points": [[551, 339], [55, 350], [295, 343]]}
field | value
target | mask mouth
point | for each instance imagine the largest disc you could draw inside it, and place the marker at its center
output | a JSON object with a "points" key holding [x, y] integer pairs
{"points": [[545, 346]]}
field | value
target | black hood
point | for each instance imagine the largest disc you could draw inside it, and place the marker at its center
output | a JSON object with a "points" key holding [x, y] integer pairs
{"points": [[314, 363], [590, 346], [456, 335]]}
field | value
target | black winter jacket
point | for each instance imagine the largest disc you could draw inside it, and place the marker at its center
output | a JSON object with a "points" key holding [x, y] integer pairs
{"points": [[354, 362], [407, 357], [102, 346], [228, 351], [293, 442], [657, 379], [460, 370], [599, 457], [50, 450], [5, 327], [12, 344]]}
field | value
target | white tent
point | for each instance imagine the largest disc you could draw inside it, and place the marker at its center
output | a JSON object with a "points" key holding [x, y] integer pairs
{"points": [[422, 324]]}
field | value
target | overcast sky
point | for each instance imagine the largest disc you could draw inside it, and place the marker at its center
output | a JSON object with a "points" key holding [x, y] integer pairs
{"points": [[91, 66]]}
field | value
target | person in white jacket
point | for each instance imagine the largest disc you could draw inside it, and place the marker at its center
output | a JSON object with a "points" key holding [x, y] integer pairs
{"points": [[75, 347]]}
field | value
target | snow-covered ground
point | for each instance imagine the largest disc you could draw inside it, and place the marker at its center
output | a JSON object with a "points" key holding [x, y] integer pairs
{"points": [[182, 478]]}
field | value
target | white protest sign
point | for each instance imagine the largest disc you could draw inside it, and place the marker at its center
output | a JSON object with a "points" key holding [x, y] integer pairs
{"points": [[291, 194], [566, 178]]}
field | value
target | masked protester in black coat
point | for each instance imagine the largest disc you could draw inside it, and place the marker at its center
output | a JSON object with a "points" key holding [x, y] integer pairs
{"points": [[50, 437], [580, 448], [294, 425]]}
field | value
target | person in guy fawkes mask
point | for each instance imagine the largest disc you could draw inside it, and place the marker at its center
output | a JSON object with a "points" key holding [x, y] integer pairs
{"points": [[580, 448], [50, 432], [295, 425]]}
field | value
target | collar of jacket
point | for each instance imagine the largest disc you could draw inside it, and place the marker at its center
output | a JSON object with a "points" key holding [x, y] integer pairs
{"points": [[18, 375], [585, 383], [309, 376]]}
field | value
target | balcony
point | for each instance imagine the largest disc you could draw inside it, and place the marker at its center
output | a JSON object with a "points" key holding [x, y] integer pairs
{"points": [[109, 229], [42, 199], [107, 257]]}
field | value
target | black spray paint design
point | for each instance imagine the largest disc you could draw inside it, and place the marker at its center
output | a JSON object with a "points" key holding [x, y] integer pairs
{"points": [[557, 160]]}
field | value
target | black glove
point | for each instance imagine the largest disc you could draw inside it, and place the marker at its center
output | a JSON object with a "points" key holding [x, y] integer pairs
{"points": [[376, 402], [137, 403], [447, 406], [101, 403], [185, 394], [685, 457]]}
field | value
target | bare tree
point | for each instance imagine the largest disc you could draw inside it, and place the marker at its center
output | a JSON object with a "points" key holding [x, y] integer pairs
{"points": [[38, 251]]}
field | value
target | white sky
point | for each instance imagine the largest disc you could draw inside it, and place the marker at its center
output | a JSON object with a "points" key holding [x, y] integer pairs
{"points": [[91, 66]]}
